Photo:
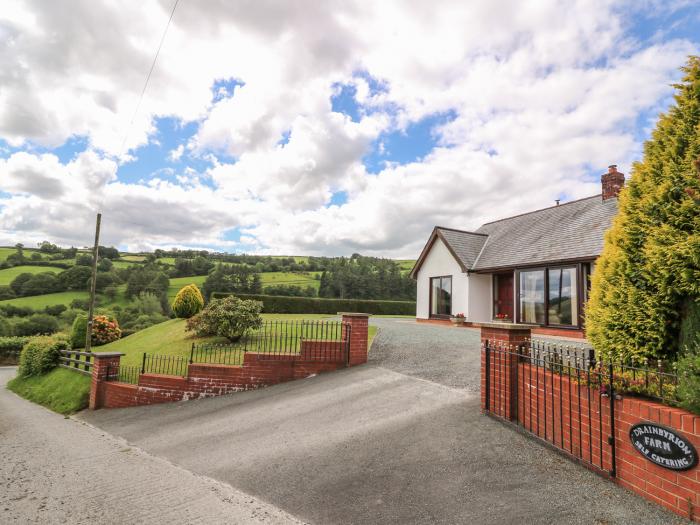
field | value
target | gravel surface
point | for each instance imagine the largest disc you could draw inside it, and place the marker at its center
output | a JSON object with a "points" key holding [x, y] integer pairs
{"points": [[62, 470], [445, 355]]}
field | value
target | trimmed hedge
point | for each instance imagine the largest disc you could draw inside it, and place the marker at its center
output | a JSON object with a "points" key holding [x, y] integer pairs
{"points": [[280, 304], [40, 355], [10, 348]]}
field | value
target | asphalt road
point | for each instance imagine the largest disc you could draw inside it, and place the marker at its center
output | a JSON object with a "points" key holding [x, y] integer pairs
{"points": [[400, 440], [58, 470]]}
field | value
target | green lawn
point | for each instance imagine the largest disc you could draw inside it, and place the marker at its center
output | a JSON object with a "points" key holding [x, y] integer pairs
{"points": [[303, 279], [177, 283], [61, 390], [132, 258], [4, 252], [39, 302], [7, 275], [170, 338]]}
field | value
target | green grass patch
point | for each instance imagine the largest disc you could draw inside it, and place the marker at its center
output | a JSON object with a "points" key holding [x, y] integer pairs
{"points": [[133, 258], [39, 302], [8, 275], [170, 338], [302, 279], [178, 283], [61, 390]]}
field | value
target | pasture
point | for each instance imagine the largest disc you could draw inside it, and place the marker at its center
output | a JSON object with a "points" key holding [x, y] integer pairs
{"points": [[8, 275], [39, 302]]}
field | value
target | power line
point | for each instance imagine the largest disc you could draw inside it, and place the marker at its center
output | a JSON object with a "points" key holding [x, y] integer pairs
{"points": [[148, 77]]}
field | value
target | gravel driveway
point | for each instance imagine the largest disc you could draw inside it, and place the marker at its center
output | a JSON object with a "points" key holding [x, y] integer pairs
{"points": [[400, 440]]}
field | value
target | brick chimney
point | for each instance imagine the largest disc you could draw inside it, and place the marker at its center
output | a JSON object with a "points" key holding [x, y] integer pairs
{"points": [[612, 182]]}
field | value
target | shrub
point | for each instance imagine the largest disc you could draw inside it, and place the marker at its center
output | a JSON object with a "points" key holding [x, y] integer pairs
{"points": [[649, 264], [80, 304], [37, 324], [688, 367], [274, 304], [6, 293], [40, 355], [56, 309], [78, 331], [105, 329], [229, 317], [10, 348], [11, 310], [188, 302], [40, 284]]}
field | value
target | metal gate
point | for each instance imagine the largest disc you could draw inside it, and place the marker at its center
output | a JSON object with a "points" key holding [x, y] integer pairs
{"points": [[556, 394]]}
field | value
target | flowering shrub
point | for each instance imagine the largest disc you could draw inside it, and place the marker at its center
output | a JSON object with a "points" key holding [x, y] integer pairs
{"points": [[105, 330], [459, 316]]}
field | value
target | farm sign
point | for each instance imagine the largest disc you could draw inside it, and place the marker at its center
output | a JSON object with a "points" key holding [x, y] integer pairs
{"points": [[663, 446]]}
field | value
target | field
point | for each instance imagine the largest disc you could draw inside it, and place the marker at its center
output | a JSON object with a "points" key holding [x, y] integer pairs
{"points": [[8, 275], [4, 252], [39, 302], [406, 265], [177, 283], [303, 279]]}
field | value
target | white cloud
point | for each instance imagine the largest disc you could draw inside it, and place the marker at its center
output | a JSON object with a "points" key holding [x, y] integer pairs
{"points": [[541, 92]]}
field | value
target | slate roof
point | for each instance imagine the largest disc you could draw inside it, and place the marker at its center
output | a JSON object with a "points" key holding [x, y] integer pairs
{"points": [[573, 230]]}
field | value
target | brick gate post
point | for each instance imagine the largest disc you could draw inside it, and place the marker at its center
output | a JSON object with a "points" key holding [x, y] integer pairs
{"points": [[503, 366], [102, 364], [359, 336]]}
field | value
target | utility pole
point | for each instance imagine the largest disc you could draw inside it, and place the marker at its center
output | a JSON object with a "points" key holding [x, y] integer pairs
{"points": [[93, 284]]}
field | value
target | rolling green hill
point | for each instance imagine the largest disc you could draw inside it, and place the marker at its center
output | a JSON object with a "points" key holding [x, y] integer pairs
{"points": [[8, 275]]}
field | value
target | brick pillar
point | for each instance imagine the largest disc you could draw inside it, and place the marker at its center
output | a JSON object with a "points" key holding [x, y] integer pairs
{"points": [[103, 362], [359, 336], [502, 338]]}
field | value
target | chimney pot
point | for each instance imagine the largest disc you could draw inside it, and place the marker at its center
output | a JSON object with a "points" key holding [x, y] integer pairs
{"points": [[612, 182]]}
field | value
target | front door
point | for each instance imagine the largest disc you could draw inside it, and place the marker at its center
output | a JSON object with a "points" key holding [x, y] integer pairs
{"points": [[503, 296]]}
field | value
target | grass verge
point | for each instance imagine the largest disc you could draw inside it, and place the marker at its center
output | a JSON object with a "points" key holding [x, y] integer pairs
{"points": [[61, 390]]}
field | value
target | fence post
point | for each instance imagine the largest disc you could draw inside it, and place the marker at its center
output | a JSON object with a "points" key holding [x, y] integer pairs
{"points": [[611, 438], [104, 361], [358, 336], [143, 363], [192, 354]]}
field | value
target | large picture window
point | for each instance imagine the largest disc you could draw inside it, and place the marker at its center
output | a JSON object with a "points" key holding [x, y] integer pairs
{"points": [[441, 296], [549, 296], [532, 299], [563, 296]]}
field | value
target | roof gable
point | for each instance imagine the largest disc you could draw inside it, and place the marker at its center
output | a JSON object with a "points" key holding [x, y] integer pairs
{"points": [[463, 245]]}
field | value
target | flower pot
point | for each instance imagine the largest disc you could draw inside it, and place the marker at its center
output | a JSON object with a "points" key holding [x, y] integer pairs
{"points": [[457, 321]]}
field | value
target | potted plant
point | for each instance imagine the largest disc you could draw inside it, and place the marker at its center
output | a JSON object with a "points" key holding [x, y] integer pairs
{"points": [[504, 318], [458, 319]]}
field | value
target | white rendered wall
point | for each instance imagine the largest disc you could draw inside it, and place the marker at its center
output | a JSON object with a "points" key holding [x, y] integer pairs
{"points": [[480, 297], [438, 263]]}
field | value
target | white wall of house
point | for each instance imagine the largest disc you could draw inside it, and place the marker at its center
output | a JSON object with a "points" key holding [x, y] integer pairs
{"points": [[440, 262], [480, 297]]}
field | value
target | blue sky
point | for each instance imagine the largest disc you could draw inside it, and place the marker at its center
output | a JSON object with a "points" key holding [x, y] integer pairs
{"points": [[361, 145]]}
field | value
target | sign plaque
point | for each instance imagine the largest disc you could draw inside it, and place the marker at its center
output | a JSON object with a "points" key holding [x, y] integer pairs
{"points": [[663, 446]]}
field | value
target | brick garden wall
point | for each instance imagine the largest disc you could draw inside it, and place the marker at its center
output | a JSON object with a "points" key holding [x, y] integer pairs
{"points": [[567, 414], [209, 380]]}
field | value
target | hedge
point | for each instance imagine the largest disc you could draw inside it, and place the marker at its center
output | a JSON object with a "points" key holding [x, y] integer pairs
{"points": [[10, 348], [280, 304], [40, 355]]}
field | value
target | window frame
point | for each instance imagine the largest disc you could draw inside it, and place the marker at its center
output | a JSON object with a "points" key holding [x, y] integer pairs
{"points": [[431, 315], [577, 266]]}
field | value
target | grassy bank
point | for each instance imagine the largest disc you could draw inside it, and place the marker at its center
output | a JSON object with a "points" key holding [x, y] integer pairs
{"points": [[61, 390]]}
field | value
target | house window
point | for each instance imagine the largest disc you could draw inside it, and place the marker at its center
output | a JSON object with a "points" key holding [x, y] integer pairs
{"points": [[441, 296], [563, 296], [532, 298]]}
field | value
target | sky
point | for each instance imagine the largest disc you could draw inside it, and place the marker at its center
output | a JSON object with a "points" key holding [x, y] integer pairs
{"points": [[320, 128]]}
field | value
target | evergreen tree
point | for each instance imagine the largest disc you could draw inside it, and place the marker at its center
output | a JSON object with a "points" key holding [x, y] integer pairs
{"points": [[650, 265]]}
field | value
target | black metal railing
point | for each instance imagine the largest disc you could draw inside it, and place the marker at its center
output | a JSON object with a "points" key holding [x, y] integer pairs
{"points": [[76, 360], [562, 395], [123, 374], [314, 340]]}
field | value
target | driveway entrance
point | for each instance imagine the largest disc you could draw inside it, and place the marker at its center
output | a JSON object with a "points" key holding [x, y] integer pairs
{"points": [[400, 440]]}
